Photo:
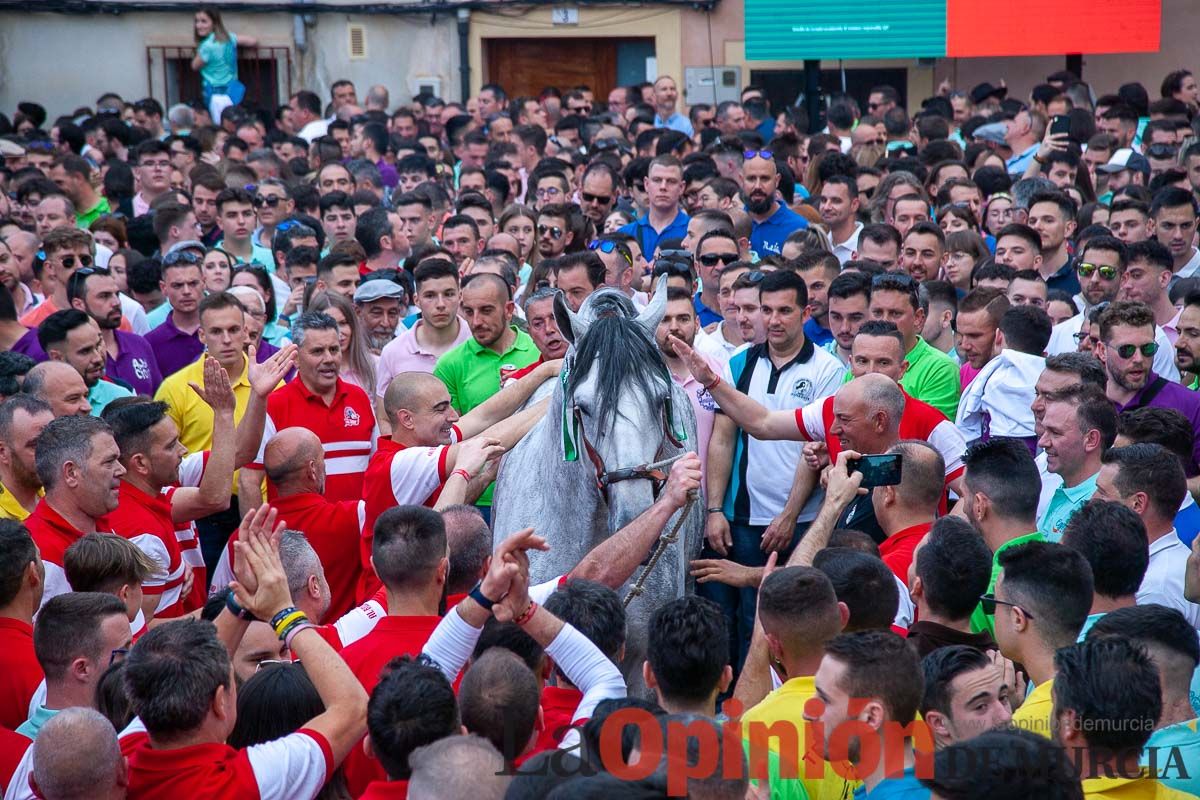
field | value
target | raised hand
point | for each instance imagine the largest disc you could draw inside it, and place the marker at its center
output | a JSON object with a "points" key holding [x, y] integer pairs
{"points": [[217, 392], [258, 555], [842, 485], [263, 518], [695, 362], [266, 376]]}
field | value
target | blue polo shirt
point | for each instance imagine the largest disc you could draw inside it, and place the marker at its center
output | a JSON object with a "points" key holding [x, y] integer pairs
{"points": [[704, 314], [676, 122], [769, 235], [1064, 279], [648, 238]]}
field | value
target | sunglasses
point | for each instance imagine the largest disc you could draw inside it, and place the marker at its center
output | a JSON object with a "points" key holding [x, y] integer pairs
{"points": [[270, 201], [608, 246], [712, 259], [1085, 270], [554, 231], [185, 256], [69, 261], [599, 199], [893, 279], [988, 603], [117, 654], [1082, 337], [1127, 350], [1162, 151], [749, 154]]}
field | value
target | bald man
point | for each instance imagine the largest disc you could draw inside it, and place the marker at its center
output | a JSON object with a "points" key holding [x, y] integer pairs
{"points": [[77, 755], [294, 461], [436, 458], [506, 242], [61, 386]]}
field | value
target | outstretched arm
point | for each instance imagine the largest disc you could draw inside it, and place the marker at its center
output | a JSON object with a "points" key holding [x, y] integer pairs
{"points": [[216, 485], [506, 433], [505, 402], [750, 415], [614, 560]]}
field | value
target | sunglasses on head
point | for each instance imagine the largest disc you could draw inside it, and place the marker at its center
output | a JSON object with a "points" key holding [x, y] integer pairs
{"points": [[608, 246], [749, 154], [554, 231], [712, 259], [270, 200], [68, 261], [1085, 270], [186, 256], [1127, 350]]}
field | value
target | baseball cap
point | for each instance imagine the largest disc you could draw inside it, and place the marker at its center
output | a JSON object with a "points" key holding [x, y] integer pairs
{"points": [[1126, 158], [378, 289]]}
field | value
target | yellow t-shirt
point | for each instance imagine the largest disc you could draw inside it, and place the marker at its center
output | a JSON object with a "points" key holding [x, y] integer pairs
{"points": [[191, 414], [1034, 713], [1143, 788], [10, 508], [785, 706]]}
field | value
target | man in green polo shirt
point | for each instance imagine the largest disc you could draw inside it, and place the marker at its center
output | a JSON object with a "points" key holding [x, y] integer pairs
{"points": [[474, 370], [1000, 498], [931, 375], [73, 174]]}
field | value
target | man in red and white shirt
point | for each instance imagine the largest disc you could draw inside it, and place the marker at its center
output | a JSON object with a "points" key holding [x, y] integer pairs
{"points": [[877, 349], [148, 515], [418, 463], [295, 466], [338, 412], [22, 597], [79, 465], [181, 670]]}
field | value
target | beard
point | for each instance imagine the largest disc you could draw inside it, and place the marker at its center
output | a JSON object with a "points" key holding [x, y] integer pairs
{"points": [[759, 204]]}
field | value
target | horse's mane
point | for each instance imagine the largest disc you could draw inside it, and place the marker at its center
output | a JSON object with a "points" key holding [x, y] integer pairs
{"points": [[629, 356]]}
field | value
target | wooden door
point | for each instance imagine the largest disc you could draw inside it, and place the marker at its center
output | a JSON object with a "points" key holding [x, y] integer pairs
{"points": [[526, 66]]}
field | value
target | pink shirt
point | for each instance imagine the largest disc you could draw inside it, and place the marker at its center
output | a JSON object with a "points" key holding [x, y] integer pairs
{"points": [[406, 354], [705, 409]]}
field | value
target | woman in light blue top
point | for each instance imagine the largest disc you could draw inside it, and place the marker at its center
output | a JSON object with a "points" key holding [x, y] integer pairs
{"points": [[216, 60]]}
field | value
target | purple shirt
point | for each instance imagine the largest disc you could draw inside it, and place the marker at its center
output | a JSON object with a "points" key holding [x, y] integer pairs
{"points": [[1170, 395], [265, 350], [29, 345], [391, 178], [173, 348], [135, 364]]}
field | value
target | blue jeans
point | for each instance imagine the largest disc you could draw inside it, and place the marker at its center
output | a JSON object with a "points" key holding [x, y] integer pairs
{"points": [[740, 604]]}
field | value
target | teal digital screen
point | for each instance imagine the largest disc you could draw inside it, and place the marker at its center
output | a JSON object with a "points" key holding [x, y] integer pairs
{"points": [[789, 30]]}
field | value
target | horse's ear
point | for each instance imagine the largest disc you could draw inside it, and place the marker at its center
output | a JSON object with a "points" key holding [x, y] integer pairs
{"points": [[567, 320], [652, 314]]}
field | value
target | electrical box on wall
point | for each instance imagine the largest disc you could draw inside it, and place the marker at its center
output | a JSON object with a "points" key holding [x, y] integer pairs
{"points": [[712, 84], [425, 83]]}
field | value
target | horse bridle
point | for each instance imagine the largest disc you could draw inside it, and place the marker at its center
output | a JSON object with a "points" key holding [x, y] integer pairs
{"points": [[655, 471]]}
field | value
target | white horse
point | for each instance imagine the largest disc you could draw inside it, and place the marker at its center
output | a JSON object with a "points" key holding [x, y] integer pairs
{"points": [[579, 475]]}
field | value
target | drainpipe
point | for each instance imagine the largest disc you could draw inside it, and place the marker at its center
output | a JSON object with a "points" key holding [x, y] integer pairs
{"points": [[464, 52]]}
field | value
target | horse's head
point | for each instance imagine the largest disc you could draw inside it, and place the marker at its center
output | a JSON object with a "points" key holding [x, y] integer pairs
{"points": [[616, 394]]}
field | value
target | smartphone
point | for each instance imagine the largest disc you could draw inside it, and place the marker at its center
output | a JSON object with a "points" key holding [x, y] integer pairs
{"points": [[1060, 124], [880, 470]]}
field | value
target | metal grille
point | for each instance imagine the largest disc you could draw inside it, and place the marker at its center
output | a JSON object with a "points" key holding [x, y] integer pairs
{"points": [[266, 71]]}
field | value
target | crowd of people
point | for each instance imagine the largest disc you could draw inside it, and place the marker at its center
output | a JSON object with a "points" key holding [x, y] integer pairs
{"points": [[259, 372]]}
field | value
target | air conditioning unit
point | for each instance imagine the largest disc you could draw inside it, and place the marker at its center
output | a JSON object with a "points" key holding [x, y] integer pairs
{"points": [[712, 85]]}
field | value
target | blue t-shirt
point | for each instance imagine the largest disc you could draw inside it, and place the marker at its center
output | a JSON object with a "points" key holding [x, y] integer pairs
{"points": [[769, 235], [704, 314], [220, 60], [902, 787], [648, 238]]}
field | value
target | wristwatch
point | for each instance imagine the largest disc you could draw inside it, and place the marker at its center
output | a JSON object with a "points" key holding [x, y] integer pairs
{"points": [[478, 596]]}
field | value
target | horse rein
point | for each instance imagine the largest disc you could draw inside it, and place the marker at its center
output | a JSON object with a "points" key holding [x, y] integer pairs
{"points": [[655, 471]]}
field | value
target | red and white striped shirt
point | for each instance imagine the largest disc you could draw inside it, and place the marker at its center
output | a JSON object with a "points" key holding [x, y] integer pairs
{"points": [[146, 521], [399, 476], [346, 428]]}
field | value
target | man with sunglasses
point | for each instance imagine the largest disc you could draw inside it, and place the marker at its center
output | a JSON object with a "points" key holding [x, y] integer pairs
{"points": [[715, 251], [1126, 348], [554, 232], [66, 250], [772, 220], [618, 265], [1042, 598], [598, 192], [272, 204]]}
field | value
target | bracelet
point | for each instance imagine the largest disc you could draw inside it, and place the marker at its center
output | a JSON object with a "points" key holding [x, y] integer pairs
{"points": [[235, 608], [528, 615], [478, 596], [466, 475], [291, 633], [715, 510], [287, 622], [291, 626], [713, 385], [275, 620]]}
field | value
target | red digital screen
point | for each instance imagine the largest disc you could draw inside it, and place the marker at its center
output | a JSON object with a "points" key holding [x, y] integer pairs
{"points": [[1051, 27]]}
